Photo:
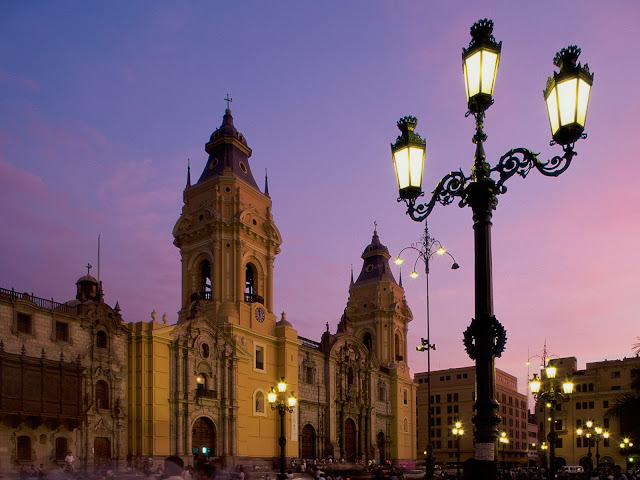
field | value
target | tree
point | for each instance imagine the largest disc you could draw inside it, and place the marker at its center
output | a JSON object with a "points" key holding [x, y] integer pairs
{"points": [[626, 407]]}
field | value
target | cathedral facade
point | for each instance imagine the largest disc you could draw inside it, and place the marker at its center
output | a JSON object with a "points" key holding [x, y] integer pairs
{"points": [[200, 385]]}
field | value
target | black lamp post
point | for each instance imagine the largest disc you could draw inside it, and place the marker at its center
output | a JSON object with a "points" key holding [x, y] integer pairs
{"points": [[278, 402], [589, 432], [458, 431], [551, 395], [426, 248], [504, 441], [567, 96]]}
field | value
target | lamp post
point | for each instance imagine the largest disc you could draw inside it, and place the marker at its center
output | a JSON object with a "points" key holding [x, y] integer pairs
{"points": [[544, 447], [625, 445], [551, 395], [426, 248], [588, 432], [504, 441], [458, 431], [282, 404], [566, 96], [600, 435]]}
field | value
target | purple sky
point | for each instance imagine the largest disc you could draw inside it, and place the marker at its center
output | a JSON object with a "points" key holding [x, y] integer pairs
{"points": [[103, 102]]}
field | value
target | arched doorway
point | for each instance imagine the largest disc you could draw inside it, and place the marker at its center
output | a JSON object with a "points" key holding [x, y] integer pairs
{"points": [[204, 435], [381, 442], [349, 440], [308, 442], [102, 452]]}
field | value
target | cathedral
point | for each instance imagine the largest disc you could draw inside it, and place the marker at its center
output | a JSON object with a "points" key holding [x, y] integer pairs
{"points": [[202, 385]]}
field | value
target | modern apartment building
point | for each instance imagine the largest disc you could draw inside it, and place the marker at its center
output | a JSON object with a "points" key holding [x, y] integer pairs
{"points": [[452, 398], [595, 390]]}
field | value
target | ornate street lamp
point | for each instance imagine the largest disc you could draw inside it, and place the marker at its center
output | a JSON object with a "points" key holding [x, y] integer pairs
{"points": [[282, 404], [485, 338], [426, 248], [457, 432], [625, 445], [544, 447], [551, 395], [504, 441], [589, 432]]}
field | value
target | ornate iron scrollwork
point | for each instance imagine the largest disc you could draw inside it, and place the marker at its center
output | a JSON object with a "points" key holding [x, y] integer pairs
{"points": [[496, 332], [450, 186]]}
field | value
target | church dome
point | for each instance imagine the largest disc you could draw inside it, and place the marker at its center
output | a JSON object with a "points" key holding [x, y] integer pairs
{"points": [[376, 262]]}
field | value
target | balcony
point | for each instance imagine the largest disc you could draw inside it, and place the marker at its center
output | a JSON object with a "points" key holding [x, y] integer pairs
{"points": [[40, 389], [253, 298], [206, 393]]}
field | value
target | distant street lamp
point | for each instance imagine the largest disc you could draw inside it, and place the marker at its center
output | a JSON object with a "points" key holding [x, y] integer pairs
{"points": [[551, 395], [625, 446], [599, 435], [567, 97], [458, 431], [504, 441], [588, 433], [279, 402], [544, 447], [426, 248]]}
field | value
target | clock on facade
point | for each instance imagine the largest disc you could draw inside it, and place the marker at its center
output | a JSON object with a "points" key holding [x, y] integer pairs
{"points": [[260, 314]]}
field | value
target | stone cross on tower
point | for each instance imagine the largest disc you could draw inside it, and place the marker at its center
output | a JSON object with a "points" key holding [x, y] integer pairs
{"points": [[228, 100]]}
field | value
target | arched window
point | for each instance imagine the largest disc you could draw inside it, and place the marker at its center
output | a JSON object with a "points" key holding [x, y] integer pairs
{"points": [[349, 376], [367, 339], [205, 279], [101, 339], [398, 347], [102, 394], [406, 424], [23, 445], [62, 447], [382, 392], [249, 284], [309, 375]]}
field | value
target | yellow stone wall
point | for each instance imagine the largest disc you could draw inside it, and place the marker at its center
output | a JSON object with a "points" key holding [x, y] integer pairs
{"points": [[148, 389]]}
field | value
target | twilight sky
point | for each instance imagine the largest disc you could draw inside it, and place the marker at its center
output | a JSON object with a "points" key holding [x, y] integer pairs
{"points": [[103, 102]]}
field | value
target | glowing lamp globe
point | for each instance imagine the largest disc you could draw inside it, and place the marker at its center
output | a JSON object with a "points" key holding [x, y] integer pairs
{"points": [[567, 387], [567, 96], [480, 66], [535, 384], [282, 386], [408, 158], [271, 396]]}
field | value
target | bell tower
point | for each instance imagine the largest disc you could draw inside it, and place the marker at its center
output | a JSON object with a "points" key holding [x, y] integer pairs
{"points": [[377, 310], [227, 238]]}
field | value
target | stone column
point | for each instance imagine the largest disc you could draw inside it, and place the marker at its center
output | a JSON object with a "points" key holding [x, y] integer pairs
{"points": [[232, 406]]}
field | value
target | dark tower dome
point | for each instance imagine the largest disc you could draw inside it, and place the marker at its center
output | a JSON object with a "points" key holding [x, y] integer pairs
{"points": [[87, 288], [228, 153], [376, 262]]}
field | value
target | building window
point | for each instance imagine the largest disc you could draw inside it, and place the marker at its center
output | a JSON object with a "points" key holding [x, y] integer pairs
{"points": [[605, 404], [592, 405], [249, 280], [558, 424], [405, 397], [102, 394], [258, 353], [455, 397], [101, 339], [606, 423], [449, 397], [367, 339], [205, 280], [308, 375], [62, 447], [606, 442], [23, 452], [578, 406], [382, 393], [615, 387], [24, 323], [579, 442], [398, 347], [406, 425], [615, 374], [464, 375], [62, 331], [591, 387]]}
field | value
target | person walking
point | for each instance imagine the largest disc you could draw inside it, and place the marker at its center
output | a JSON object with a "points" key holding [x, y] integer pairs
{"points": [[69, 460]]}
